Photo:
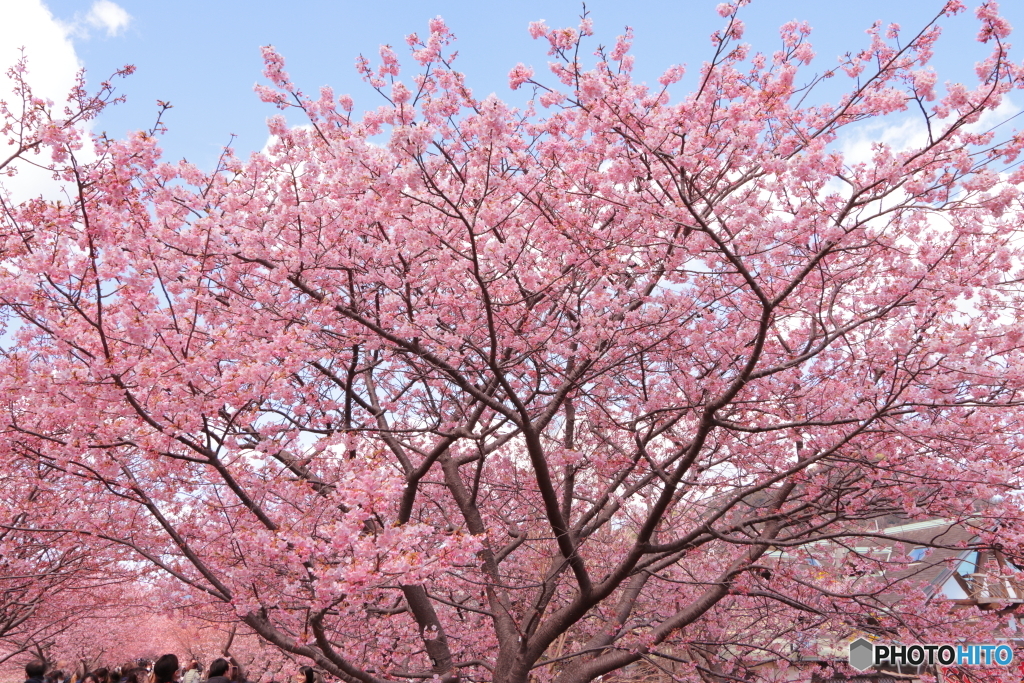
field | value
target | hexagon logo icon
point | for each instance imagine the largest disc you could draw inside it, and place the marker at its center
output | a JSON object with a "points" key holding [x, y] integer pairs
{"points": [[862, 654]]}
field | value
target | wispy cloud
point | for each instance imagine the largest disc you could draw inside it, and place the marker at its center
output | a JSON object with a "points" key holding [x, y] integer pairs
{"points": [[108, 16], [104, 15]]}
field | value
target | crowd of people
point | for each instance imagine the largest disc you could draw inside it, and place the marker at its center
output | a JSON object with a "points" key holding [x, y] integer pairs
{"points": [[166, 669]]}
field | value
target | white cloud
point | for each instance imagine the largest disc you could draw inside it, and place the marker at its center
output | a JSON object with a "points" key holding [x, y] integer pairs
{"points": [[857, 145], [108, 16], [52, 61], [910, 131], [52, 68], [103, 15]]}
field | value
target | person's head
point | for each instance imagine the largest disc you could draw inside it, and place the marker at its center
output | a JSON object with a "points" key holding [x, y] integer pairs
{"points": [[165, 668], [218, 667], [305, 675], [35, 669], [91, 677], [102, 674]]}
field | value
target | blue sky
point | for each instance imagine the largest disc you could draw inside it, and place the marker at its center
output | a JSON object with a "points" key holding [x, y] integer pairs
{"points": [[203, 56]]}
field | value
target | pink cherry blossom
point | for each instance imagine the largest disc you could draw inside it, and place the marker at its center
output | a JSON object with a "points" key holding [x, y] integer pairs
{"points": [[455, 390]]}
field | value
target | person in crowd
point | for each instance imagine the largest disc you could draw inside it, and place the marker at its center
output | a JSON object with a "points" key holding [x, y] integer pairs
{"points": [[165, 669], [193, 673], [80, 672], [135, 675], [218, 671], [34, 671], [235, 671], [102, 675], [306, 674], [91, 677]]}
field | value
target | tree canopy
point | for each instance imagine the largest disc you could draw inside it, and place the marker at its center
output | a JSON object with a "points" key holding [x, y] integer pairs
{"points": [[464, 390]]}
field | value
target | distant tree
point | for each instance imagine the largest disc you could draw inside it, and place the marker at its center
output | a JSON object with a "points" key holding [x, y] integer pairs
{"points": [[462, 390], [50, 576]]}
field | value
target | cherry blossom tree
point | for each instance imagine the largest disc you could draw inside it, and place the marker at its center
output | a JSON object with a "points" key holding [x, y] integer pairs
{"points": [[462, 390], [85, 632], [34, 575], [51, 579]]}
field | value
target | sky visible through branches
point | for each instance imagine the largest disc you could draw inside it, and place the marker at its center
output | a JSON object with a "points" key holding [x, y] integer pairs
{"points": [[203, 57]]}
